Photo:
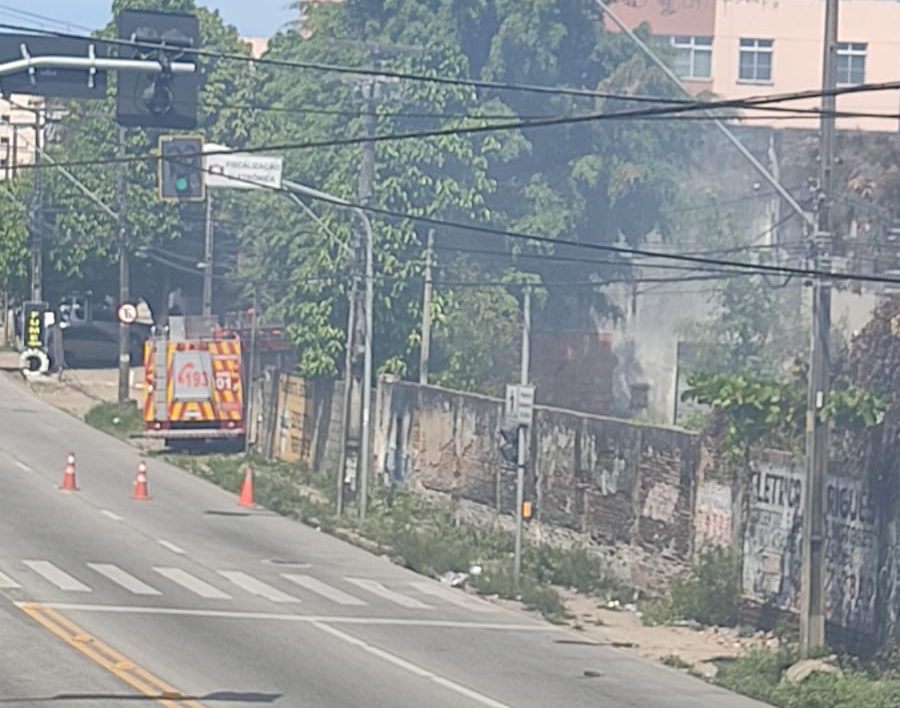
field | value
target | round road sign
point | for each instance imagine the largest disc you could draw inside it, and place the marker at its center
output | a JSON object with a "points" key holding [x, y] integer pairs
{"points": [[127, 313]]}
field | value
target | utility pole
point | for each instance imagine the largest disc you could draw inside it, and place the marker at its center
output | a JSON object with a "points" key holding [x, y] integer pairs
{"points": [[425, 346], [521, 436], [366, 180], [812, 596], [37, 226], [208, 258], [124, 339]]}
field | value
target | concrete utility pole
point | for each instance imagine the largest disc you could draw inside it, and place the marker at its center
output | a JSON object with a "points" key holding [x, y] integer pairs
{"points": [[37, 225], [124, 288], [521, 433], [812, 596], [425, 346], [366, 181], [208, 257]]}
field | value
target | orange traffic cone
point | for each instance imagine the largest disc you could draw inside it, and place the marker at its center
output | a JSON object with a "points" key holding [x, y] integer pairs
{"points": [[68, 480], [140, 483], [245, 497]]}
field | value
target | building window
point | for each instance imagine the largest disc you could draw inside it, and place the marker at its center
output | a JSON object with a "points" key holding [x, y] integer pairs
{"points": [[850, 63], [693, 57], [755, 61]]}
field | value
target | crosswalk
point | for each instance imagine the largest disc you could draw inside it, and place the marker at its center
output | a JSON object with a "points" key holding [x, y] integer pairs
{"points": [[226, 585]]}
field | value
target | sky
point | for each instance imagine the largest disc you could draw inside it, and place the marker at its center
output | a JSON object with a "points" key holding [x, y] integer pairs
{"points": [[252, 17]]}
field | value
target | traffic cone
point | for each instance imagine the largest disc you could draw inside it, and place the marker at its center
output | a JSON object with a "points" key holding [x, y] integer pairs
{"points": [[68, 480], [245, 497], [140, 483]]}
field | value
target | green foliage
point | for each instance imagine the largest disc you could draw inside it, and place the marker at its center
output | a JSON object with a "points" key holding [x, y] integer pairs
{"points": [[497, 580], [675, 661], [119, 419], [707, 593], [759, 674], [14, 237], [575, 568], [772, 412]]}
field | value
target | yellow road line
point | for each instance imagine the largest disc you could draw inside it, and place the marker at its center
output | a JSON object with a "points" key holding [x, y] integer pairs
{"points": [[105, 656]]}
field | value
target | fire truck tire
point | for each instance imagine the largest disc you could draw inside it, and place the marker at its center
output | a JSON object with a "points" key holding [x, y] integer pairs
{"points": [[34, 362]]}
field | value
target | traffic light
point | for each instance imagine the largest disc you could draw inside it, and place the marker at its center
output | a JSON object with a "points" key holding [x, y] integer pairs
{"points": [[162, 100], [509, 444], [181, 176]]}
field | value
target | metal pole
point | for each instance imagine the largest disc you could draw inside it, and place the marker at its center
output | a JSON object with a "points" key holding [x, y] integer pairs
{"points": [[425, 346], [521, 451], [365, 435], [251, 374], [208, 258], [812, 596], [124, 339], [37, 236], [726, 131], [348, 385]]}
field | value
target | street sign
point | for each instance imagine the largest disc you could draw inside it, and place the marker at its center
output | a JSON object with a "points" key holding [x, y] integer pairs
{"points": [[33, 330], [127, 313], [54, 80], [241, 170], [519, 404]]}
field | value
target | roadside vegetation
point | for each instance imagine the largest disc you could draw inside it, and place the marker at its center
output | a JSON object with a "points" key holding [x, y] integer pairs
{"points": [[118, 419], [419, 534], [761, 674]]}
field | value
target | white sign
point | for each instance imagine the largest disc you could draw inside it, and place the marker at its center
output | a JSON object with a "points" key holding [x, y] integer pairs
{"points": [[193, 374], [240, 170], [519, 405], [127, 313]]}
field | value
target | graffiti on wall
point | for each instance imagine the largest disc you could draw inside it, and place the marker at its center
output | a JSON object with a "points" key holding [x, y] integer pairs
{"points": [[712, 515], [851, 553], [771, 573]]}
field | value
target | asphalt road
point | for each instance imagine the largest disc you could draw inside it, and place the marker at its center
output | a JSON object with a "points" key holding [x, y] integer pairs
{"points": [[189, 601]]}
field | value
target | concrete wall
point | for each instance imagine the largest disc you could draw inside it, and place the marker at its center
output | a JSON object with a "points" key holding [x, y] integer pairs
{"points": [[647, 498]]}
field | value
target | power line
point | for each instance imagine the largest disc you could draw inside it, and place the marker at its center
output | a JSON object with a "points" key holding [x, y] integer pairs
{"points": [[510, 125], [365, 71]]}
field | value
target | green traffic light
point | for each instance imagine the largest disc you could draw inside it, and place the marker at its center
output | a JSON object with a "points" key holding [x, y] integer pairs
{"points": [[181, 184]]}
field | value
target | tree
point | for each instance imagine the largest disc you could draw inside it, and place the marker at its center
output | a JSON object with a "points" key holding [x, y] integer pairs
{"points": [[592, 183], [14, 238]]}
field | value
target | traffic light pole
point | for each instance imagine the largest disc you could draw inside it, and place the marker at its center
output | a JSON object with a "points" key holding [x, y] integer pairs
{"points": [[208, 258], [522, 440], [124, 353]]}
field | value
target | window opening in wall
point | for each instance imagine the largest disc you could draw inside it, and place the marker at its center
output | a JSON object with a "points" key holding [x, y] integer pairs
{"points": [[850, 63], [693, 57], [755, 60]]}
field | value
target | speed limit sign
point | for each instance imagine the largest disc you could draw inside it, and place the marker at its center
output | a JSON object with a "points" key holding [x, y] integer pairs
{"points": [[127, 313]]}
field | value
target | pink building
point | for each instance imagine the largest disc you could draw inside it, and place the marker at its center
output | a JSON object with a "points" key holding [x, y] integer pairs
{"points": [[743, 48]]}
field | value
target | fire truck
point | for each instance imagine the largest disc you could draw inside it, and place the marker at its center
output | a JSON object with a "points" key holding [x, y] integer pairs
{"points": [[193, 384]]}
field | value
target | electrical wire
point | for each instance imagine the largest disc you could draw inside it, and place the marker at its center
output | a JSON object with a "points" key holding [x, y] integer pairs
{"points": [[509, 125]]}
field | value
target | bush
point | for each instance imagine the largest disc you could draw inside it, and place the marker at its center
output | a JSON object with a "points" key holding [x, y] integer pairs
{"points": [[119, 419], [759, 675], [498, 580], [707, 593], [574, 568]]}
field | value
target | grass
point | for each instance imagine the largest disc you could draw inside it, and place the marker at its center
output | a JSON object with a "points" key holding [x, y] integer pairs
{"points": [[118, 419], [708, 593], [760, 673]]}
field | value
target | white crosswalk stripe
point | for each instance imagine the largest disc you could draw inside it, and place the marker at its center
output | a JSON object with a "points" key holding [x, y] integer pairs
{"points": [[126, 580], [189, 582], [7, 583], [256, 587], [323, 589], [455, 597], [377, 588], [59, 578]]}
